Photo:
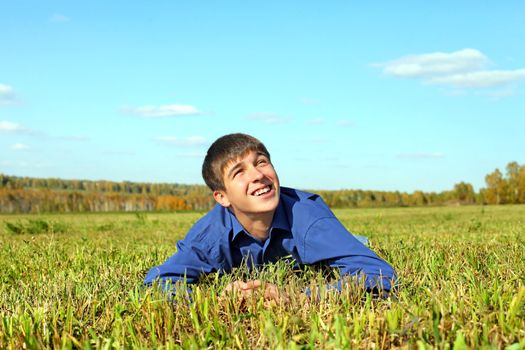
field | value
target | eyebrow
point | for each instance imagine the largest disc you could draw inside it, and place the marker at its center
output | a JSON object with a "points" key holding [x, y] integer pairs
{"points": [[234, 168], [239, 163], [260, 154]]}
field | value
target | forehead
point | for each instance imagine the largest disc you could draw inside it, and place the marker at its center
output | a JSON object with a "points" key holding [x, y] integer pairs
{"points": [[246, 156]]}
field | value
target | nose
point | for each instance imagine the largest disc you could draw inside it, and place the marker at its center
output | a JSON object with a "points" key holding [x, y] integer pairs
{"points": [[255, 174]]}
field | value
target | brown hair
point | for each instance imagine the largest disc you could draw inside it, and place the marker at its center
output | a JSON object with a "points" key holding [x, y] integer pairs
{"points": [[224, 150]]}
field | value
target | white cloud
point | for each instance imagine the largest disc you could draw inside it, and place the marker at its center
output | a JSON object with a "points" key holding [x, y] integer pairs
{"points": [[22, 164], [268, 118], [435, 63], [466, 68], [500, 94], [20, 147], [345, 123], [10, 126], [480, 79], [172, 110], [7, 126], [7, 94], [191, 141], [315, 121], [58, 18], [421, 155]]}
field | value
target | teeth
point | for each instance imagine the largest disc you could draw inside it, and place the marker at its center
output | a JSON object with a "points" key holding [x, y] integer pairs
{"points": [[262, 191]]}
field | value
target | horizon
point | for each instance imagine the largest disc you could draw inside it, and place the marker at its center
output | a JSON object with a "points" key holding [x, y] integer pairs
{"points": [[344, 96], [204, 185]]}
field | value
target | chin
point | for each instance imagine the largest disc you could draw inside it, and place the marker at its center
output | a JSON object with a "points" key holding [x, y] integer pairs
{"points": [[271, 206]]}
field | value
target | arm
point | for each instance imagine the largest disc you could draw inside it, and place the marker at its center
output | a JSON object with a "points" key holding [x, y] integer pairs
{"points": [[327, 241], [188, 263]]}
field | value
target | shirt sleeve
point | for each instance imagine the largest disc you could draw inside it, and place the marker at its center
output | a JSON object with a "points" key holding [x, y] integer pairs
{"points": [[327, 241], [189, 262]]}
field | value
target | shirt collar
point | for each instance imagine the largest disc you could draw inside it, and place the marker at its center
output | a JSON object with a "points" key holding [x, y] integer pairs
{"points": [[236, 225], [280, 220]]}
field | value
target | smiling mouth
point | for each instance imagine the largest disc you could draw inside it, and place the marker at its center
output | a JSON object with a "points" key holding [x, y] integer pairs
{"points": [[262, 191]]}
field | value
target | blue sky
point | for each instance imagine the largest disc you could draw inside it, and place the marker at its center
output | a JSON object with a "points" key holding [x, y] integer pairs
{"points": [[392, 96]]}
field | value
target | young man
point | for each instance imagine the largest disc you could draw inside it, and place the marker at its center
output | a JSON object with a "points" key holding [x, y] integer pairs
{"points": [[256, 222]]}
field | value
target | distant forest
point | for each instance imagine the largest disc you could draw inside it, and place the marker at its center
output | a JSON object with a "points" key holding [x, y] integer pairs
{"points": [[35, 195]]}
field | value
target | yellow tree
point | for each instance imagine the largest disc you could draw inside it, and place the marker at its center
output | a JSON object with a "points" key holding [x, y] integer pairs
{"points": [[521, 185], [496, 192], [513, 178], [464, 193]]}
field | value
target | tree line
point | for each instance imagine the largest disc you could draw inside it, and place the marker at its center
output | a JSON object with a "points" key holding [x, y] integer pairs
{"points": [[36, 195]]}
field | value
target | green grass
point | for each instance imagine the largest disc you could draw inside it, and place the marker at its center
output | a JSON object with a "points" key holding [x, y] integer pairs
{"points": [[75, 281]]}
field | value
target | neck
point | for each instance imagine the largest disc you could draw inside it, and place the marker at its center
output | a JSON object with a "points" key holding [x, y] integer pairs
{"points": [[257, 225]]}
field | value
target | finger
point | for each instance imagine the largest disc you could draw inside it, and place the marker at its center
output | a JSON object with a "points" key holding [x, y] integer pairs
{"points": [[247, 292], [270, 303], [271, 292], [228, 288], [252, 284], [235, 285]]}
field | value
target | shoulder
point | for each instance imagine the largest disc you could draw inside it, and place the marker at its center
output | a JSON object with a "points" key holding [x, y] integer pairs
{"points": [[210, 228], [297, 194], [304, 210], [307, 205]]}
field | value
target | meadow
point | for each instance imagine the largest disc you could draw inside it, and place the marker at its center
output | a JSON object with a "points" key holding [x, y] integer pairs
{"points": [[75, 281]]}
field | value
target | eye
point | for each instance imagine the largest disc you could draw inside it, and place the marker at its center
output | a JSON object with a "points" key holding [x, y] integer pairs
{"points": [[262, 161]]}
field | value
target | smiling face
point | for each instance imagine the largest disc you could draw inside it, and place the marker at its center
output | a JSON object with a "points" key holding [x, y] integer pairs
{"points": [[251, 187]]}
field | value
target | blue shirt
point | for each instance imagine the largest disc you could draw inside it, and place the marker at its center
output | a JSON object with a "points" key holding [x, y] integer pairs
{"points": [[303, 227]]}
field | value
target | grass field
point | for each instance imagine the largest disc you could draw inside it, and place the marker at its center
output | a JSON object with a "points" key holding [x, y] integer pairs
{"points": [[74, 281]]}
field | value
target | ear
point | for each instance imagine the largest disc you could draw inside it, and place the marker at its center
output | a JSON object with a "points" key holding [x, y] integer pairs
{"points": [[222, 198]]}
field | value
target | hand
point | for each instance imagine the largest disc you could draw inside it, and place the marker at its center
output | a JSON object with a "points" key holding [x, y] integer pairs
{"points": [[272, 295], [245, 289]]}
